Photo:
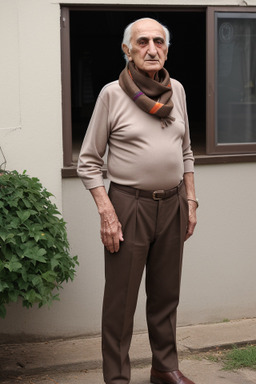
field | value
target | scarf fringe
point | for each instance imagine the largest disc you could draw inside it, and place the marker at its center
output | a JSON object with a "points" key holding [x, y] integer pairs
{"points": [[166, 121]]}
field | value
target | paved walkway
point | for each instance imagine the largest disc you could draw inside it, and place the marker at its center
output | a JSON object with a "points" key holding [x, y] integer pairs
{"points": [[77, 361]]}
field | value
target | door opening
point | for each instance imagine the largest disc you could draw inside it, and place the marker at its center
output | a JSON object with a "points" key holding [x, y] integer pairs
{"points": [[96, 59]]}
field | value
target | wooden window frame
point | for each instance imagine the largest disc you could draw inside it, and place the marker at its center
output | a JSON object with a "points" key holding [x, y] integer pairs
{"points": [[212, 147], [220, 156], [66, 89]]}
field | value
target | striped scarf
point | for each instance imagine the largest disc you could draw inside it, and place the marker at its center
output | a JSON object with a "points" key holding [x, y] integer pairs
{"points": [[152, 96]]}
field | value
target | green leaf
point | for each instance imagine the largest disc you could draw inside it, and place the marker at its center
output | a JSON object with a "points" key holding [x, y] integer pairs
{"points": [[5, 235], [14, 203], [13, 296], [32, 296], [23, 215], [54, 263], [49, 276], [36, 254], [2, 311], [24, 275], [1, 266], [13, 265], [3, 286], [14, 223], [39, 236], [19, 193], [23, 285], [37, 280], [27, 204]]}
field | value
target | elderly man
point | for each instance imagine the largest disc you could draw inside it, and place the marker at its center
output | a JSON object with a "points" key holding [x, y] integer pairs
{"points": [[150, 209]]}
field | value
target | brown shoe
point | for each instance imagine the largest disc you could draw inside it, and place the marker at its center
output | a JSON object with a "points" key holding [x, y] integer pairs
{"points": [[172, 377]]}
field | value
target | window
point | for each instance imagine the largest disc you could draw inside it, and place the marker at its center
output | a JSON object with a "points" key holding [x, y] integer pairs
{"points": [[232, 103], [198, 58]]}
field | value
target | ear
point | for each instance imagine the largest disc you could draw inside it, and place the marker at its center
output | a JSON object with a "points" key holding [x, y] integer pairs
{"points": [[126, 50]]}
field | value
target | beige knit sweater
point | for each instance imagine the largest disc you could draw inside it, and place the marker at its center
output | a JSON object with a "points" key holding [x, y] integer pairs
{"points": [[141, 153]]}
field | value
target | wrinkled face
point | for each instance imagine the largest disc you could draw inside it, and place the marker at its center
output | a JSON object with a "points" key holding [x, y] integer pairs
{"points": [[148, 47]]}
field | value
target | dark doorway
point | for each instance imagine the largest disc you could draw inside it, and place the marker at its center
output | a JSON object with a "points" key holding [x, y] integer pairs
{"points": [[96, 59]]}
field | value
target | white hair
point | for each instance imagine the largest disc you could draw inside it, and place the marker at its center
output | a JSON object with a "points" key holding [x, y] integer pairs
{"points": [[128, 33]]}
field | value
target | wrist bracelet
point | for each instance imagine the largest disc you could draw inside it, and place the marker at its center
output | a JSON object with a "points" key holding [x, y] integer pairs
{"points": [[195, 201]]}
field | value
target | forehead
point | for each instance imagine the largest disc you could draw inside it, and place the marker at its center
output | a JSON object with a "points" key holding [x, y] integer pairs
{"points": [[147, 28]]}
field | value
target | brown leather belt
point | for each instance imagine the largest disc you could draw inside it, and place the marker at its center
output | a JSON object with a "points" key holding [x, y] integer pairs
{"points": [[156, 195]]}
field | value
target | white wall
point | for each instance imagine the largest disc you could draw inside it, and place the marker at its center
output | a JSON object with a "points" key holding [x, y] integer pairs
{"points": [[219, 261], [30, 92], [219, 266]]}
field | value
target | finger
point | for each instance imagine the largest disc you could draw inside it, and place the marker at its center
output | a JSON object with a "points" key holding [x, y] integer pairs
{"points": [[188, 235], [105, 237], [114, 239], [109, 242], [116, 244], [190, 230], [121, 236], [111, 235]]}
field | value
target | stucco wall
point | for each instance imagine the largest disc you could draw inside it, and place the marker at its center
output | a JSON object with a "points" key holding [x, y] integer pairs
{"points": [[30, 92], [219, 261], [218, 279]]}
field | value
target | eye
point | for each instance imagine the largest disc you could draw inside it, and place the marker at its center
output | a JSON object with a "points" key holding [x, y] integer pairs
{"points": [[143, 42], [159, 42]]}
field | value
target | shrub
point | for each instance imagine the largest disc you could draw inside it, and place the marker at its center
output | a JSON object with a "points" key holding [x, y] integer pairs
{"points": [[34, 250]]}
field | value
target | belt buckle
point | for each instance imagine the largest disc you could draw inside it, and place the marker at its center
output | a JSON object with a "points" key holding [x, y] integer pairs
{"points": [[155, 193]]}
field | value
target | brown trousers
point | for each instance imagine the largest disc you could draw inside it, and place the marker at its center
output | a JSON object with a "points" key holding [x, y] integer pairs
{"points": [[154, 233]]}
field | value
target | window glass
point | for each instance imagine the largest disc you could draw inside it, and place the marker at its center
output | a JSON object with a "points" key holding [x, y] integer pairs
{"points": [[235, 63]]}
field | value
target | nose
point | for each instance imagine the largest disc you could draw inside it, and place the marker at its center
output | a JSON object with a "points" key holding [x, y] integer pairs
{"points": [[152, 48]]}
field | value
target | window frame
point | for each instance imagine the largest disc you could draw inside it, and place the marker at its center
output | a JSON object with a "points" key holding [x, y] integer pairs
{"points": [[212, 147], [66, 88], [219, 154]]}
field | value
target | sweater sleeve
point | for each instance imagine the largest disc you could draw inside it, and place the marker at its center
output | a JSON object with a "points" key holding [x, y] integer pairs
{"points": [[188, 157], [90, 160]]}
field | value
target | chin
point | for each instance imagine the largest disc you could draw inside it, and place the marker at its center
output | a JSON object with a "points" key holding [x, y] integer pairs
{"points": [[153, 67]]}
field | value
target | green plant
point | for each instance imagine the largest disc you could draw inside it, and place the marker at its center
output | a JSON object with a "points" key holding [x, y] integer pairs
{"points": [[34, 250], [240, 358]]}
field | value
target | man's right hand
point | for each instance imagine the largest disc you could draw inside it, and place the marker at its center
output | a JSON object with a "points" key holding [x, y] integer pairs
{"points": [[111, 229]]}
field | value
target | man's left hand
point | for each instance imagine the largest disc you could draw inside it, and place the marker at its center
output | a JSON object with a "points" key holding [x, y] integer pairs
{"points": [[191, 219]]}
